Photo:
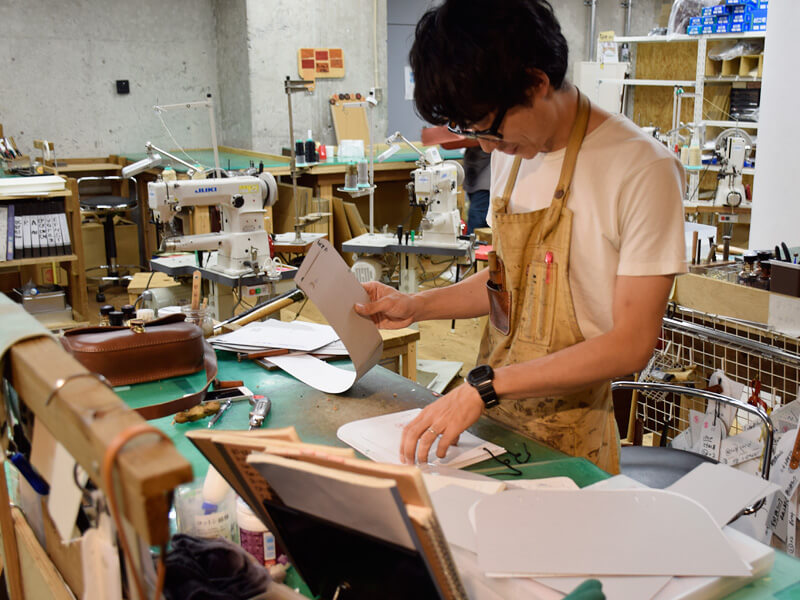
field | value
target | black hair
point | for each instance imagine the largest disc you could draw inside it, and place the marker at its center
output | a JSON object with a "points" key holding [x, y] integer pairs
{"points": [[473, 57]]}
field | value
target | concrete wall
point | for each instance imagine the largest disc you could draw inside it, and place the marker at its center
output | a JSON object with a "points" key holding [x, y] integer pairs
{"points": [[572, 15], [276, 30], [61, 59], [233, 71]]}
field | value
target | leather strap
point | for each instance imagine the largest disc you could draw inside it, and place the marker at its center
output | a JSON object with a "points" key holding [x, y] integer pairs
{"points": [[156, 411]]}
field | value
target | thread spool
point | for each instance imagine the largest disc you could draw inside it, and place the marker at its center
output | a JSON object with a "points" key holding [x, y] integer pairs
{"points": [[351, 177], [684, 155], [363, 174], [300, 152], [311, 149], [695, 156]]}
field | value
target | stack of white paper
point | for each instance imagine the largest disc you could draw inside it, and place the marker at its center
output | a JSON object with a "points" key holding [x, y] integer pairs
{"points": [[379, 439], [297, 335], [640, 543]]}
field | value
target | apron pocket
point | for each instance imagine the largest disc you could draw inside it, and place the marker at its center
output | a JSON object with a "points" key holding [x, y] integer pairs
{"points": [[499, 308], [539, 309]]}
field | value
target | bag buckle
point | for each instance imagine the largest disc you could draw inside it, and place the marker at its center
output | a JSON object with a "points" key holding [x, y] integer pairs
{"points": [[136, 325]]}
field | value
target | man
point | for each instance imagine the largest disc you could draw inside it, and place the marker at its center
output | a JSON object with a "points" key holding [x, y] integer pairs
{"points": [[587, 223]]}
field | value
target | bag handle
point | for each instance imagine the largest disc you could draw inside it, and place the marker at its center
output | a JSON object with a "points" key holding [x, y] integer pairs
{"points": [[156, 411]]}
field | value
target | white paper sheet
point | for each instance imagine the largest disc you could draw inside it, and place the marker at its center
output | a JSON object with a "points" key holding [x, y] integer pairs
{"points": [[316, 373], [328, 282], [297, 335], [559, 533], [379, 438], [332, 495], [722, 490], [452, 504]]}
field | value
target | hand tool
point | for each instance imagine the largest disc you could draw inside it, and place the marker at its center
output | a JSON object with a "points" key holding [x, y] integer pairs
{"points": [[240, 356], [197, 279], [712, 251], [219, 414], [262, 310], [261, 407], [694, 247], [726, 247]]}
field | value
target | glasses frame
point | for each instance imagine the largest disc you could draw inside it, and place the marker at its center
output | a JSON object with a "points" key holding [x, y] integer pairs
{"points": [[490, 135]]}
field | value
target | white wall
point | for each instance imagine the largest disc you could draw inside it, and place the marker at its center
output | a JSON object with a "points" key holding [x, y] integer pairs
{"points": [[776, 196], [60, 60], [276, 30]]}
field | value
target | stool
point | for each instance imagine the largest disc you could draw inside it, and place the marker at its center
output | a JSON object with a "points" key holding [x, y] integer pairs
{"points": [[108, 205]]}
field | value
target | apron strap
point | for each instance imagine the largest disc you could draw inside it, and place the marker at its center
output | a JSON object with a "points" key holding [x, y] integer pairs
{"points": [[568, 167], [502, 203]]}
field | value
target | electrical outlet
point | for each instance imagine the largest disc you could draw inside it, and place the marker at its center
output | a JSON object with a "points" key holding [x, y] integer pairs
{"points": [[123, 86]]}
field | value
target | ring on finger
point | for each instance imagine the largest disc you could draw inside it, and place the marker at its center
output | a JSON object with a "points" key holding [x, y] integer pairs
{"points": [[433, 431]]}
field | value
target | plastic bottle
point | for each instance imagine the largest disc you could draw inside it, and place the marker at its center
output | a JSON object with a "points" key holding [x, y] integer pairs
{"points": [[746, 274], [210, 517], [254, 535]]}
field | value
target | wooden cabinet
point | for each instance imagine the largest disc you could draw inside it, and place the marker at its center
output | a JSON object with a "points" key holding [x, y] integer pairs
{"points": [[73, 264]]}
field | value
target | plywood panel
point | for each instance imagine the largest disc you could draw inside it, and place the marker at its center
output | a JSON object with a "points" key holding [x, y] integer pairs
{"points": [[668, 60], [350, 122]]}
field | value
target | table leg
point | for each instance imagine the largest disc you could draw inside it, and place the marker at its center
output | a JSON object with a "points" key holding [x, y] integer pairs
{"points": [[409, 362]]}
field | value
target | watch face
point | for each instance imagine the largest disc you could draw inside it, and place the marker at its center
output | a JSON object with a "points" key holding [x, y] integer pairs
{"points": [[479, 374]]}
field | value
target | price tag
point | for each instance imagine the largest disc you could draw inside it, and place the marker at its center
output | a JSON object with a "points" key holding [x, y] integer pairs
{"points": [[778, 512], [696, 428], [711, 439], [786, 417], [781, 473], [683, 441], [740, 448]]}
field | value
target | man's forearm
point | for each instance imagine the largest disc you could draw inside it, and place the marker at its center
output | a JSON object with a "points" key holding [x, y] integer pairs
{"points": [[571, 369], [464, 300]]}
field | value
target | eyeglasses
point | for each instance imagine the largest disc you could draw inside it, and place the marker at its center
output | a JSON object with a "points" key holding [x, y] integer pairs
{"points": [[490, 135]]}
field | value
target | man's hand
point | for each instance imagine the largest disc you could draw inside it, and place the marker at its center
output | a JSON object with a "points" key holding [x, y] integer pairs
{"points": [[448, 417], [388, 308]]}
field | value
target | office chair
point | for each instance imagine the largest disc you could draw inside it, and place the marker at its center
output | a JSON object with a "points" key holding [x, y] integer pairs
{"points": [[660, 467], [106, 204]]}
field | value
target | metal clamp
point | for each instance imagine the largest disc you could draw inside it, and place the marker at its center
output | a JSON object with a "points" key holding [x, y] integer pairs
{"points": [[60, 383]]}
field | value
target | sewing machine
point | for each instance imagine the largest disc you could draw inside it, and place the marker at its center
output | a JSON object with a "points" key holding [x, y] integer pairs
{"points": [[732, 149], [242, 246]]}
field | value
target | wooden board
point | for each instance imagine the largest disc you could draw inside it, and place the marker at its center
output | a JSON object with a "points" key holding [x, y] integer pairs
{"points": [[40, 578], [721, 297], [341, 229], [320, 63], [350, 122], [652, 106], [283, 213], [357, 226]]}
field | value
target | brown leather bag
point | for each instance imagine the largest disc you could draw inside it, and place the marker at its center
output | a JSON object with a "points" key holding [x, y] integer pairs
{"points": [[167, 347]]}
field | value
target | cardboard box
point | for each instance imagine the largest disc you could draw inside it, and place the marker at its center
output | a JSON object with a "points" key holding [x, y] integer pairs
{"points": [[722, 9], [694, 30], [739, 27], [721, 28], [94, 246], [723, 19], [707, 11], [696, 21]]}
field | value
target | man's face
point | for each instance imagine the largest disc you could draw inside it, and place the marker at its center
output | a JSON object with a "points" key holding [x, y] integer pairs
{"points": [[527, 129]]}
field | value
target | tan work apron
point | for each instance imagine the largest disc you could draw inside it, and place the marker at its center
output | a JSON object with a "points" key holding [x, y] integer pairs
{"points": [[533, 315]]}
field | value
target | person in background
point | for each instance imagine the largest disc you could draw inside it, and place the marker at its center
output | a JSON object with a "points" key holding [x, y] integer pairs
{"points": [[587, 224], [477, 179]]}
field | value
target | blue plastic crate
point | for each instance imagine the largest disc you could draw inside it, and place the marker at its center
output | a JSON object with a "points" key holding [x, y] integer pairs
{"points": [[758, 16]]}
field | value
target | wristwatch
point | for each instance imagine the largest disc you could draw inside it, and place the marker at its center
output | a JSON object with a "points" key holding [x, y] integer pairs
{"points": [[481, 378]]}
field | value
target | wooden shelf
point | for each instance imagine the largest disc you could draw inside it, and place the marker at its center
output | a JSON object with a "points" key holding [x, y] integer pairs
{"points": [[682, 37], [22, 262], [652, 82], [732, 79], [37, 195], [735, 124]]}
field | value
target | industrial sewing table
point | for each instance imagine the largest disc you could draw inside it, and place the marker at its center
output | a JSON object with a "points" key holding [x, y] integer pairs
{"points": [[316, 417]]}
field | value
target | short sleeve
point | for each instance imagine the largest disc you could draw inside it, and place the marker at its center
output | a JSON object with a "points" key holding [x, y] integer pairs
{"points": [[651, 221]]}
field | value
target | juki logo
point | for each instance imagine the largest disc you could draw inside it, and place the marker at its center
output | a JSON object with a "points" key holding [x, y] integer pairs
{"points": [[205, 190]]}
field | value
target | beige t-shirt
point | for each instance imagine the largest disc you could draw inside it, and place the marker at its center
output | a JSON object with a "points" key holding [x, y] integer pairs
{"points": [[626, 197]]}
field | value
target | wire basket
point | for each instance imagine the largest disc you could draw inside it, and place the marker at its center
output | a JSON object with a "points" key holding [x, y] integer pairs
{"points": [[746, 352]]}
